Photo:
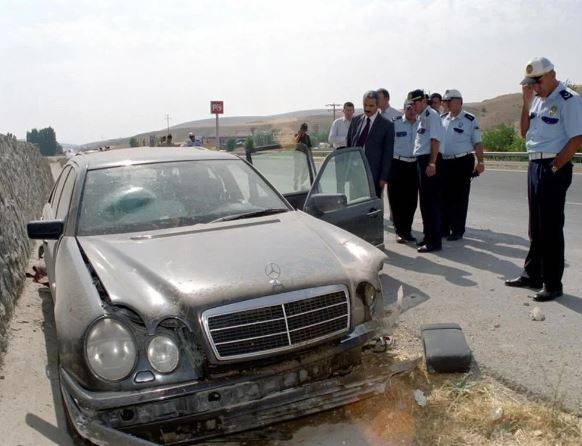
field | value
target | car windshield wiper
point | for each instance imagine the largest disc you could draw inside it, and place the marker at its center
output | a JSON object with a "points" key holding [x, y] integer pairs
{"points": [[260, 213]]}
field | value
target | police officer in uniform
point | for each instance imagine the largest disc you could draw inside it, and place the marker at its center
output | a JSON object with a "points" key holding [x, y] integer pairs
{"points": [[551, 123], [403, 182], [427, 147], [462, 137]]}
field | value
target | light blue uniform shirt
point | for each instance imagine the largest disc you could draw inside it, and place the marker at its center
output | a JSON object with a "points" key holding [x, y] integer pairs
{"points": [[404, 136], [554, 120], [461, 133], [429, 126]]}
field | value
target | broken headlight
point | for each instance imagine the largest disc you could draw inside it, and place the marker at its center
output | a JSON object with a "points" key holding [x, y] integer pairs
{"points": [[163, 354], [110, 349]]}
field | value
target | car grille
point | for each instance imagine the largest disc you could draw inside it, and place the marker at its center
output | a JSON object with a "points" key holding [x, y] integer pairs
{"points": [[277, 323]]}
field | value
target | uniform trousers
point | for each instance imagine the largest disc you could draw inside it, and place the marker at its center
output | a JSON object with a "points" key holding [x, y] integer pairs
{"points": [[547, 197], [430, 191], [457, 185], [403, 195]]}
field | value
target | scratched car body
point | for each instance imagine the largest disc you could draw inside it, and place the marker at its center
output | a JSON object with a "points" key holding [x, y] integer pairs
{"points": [[192, 300]]}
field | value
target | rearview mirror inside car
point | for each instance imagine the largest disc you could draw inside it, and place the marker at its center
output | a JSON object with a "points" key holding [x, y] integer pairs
{"points": [[323, 203], [45, 229]]}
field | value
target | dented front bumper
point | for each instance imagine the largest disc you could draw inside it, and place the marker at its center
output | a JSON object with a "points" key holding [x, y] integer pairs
{"points": [[186, 413]]}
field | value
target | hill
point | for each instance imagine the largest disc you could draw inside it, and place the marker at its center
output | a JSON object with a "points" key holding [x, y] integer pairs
{"points": [[491, 112]]}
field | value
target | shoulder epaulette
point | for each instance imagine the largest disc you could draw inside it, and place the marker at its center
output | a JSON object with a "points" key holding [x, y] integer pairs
{"points": [[396, 118], [469, 116], [565, 94], [427, 113]]}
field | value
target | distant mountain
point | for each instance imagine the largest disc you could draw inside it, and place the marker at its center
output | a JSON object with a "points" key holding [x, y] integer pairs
{"points": [[491, 112]]}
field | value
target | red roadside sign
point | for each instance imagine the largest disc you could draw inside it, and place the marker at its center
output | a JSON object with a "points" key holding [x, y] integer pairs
{"points": [[217, 107]]}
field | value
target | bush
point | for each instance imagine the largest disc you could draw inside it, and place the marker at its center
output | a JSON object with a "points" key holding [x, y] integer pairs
{"points": [[133, 142], [503, 138], [249, 143], [230, 144]]}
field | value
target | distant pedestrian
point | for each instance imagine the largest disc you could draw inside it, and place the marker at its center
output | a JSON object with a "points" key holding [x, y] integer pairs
{"points": [[551, 123], [435, 100], [338, 133], [191, 140], [376, 136], [403, 182], [427, 146], [169, 142], [300, 166], [387, 112], [462, 138], [302, 137]]}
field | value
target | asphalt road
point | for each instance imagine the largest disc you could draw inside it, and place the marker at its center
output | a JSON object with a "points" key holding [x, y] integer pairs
{"points": [[464, 284]]}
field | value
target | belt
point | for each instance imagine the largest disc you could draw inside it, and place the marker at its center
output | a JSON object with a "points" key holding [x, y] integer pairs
{"points": [[456, 155], [541, 155], [408, 159]]}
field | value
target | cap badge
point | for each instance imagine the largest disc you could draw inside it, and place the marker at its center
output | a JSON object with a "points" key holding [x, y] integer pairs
{"points": [[529, 69]]}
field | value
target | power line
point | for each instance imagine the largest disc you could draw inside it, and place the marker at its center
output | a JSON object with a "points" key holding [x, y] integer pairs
{"points": [[334, 105]]}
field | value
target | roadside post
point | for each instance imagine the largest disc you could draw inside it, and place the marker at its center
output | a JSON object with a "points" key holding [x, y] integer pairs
{"points": [[217, 107]]}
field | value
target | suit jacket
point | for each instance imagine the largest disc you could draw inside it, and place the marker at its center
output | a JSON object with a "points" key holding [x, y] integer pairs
{"points": [[379, 147]]}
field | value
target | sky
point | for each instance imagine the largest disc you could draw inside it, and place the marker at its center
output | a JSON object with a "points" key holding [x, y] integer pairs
{"points": [[104, 69]]}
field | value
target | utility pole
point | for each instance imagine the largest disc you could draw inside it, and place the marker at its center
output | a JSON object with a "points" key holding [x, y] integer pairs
{"points": [[168, 122], [334, 105]]}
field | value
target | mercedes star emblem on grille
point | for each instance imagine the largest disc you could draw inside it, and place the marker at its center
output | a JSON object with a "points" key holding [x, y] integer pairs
{"points": [[272, 270]]}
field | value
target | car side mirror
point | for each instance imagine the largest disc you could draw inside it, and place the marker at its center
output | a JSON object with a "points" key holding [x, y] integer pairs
{"points": [[45, 229], [322, 203]]}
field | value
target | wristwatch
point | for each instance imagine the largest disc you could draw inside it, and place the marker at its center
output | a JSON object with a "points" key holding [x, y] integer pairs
{"points": [[432, 164]]}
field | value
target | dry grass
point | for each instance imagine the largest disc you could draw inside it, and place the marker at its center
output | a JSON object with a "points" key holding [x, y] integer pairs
{"points": [[463, 411]]}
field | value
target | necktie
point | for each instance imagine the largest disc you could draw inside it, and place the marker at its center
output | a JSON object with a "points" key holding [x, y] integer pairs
{"points": [[364, 133]]}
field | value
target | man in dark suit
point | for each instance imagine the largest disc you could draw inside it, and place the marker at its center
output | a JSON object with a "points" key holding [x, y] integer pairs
{"points": [[376, 135]]}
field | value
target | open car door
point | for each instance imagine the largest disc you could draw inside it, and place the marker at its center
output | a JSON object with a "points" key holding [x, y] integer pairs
{"points": [[343, 194], [292, 172]]}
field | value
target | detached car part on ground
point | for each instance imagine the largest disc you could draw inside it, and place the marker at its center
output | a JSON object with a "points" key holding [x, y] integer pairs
{"points": [[192, 300]]}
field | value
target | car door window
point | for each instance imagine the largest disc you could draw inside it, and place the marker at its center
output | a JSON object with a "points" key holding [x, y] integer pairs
{"points": [[345, 173], [65, 198], [290, 171]]}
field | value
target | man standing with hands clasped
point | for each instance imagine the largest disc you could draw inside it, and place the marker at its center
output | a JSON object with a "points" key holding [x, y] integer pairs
{"points": [[551, 123], [462, 138]]}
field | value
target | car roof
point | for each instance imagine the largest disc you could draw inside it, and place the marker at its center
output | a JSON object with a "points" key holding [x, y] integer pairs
{"points": [[143, 155]]}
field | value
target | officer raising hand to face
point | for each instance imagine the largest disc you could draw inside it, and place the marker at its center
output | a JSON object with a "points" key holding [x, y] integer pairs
{"points": [[551, 123]]}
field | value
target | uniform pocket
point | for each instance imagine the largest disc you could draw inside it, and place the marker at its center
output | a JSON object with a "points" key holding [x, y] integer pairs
{"points": [[549, 120]]}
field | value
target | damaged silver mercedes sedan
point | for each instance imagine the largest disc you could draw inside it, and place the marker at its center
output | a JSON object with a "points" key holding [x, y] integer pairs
{"points": [[192, 300]]}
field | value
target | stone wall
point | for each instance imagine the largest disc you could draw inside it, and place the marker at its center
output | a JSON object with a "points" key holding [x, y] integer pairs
{"points": [[25, 183]]}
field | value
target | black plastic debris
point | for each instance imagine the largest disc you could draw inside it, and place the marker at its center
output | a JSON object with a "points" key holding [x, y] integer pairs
{"points": [[445, 348]]}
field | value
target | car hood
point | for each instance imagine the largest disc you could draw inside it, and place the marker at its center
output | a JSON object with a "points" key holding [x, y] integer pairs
{"points": [[181, 272]]}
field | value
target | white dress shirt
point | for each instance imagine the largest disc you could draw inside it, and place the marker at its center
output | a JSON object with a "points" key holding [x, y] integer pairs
{"points": [[390, 113], [338, 132]]}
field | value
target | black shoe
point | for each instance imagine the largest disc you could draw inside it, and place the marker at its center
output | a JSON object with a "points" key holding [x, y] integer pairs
{"points": [[429, 248], [421, 243], [545, 295], [454, 237], [524, 282], [405, 238]]}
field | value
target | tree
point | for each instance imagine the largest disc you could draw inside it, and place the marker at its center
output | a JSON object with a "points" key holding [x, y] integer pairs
{"points": [[249, 143], [46, 141], [133, 142], [230, 144]]}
